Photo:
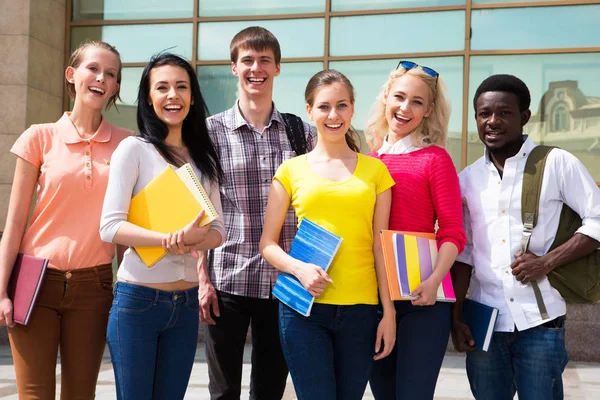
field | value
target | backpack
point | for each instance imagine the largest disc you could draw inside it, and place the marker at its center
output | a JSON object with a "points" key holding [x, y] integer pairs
{"points": [[577, 281], [294, 128]]}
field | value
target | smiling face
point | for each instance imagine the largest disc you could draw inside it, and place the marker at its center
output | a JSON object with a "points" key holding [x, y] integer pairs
{"points": [[255, 71], [407, 102], [170, 94], [332, 111], [500, 122], [95, 78]]}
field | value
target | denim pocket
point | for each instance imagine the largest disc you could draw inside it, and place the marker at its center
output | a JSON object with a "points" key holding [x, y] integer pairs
{"points": [[131, 304]]}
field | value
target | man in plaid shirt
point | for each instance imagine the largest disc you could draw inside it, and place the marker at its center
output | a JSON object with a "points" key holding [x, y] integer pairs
{"points": [[235, 290]]}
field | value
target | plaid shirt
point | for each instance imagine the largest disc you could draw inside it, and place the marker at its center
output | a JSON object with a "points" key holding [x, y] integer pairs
{"points": [[249, 160]]}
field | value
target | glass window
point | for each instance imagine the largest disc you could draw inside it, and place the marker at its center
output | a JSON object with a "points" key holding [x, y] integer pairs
{"points": [[213, 8], [137, 43], [220, 87], [565, 101], [383, 34], [368, 77], [85, 10], [297, 37], [560, 119], [509, 1], [348, 5], [125, 117], [536, 27]]}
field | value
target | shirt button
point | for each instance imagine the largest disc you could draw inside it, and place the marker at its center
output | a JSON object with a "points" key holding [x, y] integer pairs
{"points": [[503, 241], [87, 164], [266, 181], [88, 142], [68, 275], [499, 182], [506, 272], [503, 211], [88, 177], [182, 261], [175, 297], [87, 153], [511, 299]]}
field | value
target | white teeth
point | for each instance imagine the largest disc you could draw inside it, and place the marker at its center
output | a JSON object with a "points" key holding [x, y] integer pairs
{"points": [[173, 107], [96, 90], [334, 126], [402, 118], [256, 80]]}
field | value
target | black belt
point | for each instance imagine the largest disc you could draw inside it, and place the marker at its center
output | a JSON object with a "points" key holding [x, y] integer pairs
{"points": [[558, 322]]}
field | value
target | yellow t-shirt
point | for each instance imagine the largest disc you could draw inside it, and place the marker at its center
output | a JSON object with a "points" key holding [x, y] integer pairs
{"points": [[346, 209]]}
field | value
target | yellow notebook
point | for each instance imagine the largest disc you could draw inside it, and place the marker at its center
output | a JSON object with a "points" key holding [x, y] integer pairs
{"points": [[168, 203]]}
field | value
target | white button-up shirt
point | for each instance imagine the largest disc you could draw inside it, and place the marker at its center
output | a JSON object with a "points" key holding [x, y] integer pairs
{"points": [[402, 146], [492, 217]]}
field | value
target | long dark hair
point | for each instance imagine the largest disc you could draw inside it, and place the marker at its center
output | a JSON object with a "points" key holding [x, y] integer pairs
{"points": [[329, 77], [193, 132]]}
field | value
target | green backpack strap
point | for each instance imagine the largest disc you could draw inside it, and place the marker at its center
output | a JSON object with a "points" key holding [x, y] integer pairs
{"points": [[530, 204]]}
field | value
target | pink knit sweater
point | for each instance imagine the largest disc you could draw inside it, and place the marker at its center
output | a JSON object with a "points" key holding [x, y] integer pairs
{"points": [[426, 189]]}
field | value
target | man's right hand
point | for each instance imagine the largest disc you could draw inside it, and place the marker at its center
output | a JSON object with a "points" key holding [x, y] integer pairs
{"points": [[462, 337], [207, 296], [6, 312]]}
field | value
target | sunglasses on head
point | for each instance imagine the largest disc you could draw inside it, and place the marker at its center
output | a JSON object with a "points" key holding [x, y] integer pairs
{"points": [[410, 65]]}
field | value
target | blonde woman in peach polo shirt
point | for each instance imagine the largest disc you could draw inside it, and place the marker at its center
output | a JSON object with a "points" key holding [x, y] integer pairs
{"points": [[68, 162]]}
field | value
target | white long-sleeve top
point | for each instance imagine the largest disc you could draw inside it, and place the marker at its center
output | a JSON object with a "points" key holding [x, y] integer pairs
{"points": [[492, 218], [133, 165]]}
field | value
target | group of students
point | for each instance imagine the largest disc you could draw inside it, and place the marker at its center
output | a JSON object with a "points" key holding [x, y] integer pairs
{"points": [[86, 171]]}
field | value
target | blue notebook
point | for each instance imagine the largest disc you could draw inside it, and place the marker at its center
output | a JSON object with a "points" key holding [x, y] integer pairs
{"points": [[481, 320], [312, 244]]}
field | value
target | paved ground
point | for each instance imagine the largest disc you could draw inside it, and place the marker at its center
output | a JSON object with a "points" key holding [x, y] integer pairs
{"points": [[582, 380]]}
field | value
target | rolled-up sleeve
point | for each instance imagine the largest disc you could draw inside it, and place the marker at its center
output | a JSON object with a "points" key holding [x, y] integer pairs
{"points": [[580, 192], [217, 224]]}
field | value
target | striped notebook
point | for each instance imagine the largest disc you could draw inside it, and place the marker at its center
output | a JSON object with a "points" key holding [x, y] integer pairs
{"points": [[409, 260]]}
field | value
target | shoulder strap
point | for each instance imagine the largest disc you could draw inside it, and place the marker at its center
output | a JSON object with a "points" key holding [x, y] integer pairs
{"points": [[294, 128], [530, 203], [532, 184]]}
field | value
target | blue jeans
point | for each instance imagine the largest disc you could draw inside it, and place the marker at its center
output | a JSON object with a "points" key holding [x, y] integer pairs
{"points": [[330, 353], [412, 368], [529, 362], [152, 336]]}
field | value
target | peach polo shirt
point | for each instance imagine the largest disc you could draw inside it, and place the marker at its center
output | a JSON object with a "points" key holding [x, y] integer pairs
{"points": [[65, 223]]}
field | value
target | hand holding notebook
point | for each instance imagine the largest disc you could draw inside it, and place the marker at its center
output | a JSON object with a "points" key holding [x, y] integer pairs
{"points": [[168, 204], [183, 240], [410, 259]]}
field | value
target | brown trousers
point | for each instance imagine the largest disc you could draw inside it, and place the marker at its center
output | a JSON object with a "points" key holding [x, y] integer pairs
{"points": [[71, 312]]}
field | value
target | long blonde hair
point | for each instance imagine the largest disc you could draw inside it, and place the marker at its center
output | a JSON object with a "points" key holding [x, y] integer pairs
{"points": [[433, 130]]}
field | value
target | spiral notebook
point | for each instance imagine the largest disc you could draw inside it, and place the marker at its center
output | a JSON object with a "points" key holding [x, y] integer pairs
{"points": [[312, 244], [168, 203], [409, 260]]}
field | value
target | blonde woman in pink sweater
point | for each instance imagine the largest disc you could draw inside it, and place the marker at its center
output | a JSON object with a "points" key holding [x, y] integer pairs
{"points": [[407, 129]]}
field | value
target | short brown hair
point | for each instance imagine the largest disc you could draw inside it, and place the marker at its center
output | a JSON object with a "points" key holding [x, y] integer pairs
{"points": [[75, 60], [254, 38]]}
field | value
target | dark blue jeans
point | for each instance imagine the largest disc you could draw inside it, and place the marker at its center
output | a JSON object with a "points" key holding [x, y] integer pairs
{"points": [[152, 336], [330, 353], [529, 362], [411, 370]]}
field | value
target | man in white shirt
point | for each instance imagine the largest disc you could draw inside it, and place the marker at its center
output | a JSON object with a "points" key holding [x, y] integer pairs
{"points": [[527, 353]]}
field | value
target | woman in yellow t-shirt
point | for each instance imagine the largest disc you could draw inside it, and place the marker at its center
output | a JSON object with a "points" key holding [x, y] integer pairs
{"points": [[330, 353]]}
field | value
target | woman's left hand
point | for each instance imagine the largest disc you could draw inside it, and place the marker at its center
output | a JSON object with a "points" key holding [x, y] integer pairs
{"points": [[426, 293], [386, 336], [173, 244]]}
